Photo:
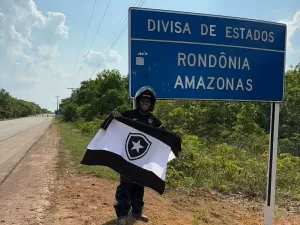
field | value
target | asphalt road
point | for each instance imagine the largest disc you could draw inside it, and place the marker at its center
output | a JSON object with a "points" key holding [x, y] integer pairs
{"points": [[16, 138], [12, 127]]}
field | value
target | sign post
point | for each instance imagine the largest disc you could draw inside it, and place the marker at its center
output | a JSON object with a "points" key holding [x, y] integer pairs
{"points": [[270, 202], [191, 56]]}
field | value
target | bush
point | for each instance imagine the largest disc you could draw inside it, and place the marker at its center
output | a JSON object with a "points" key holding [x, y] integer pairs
{"points": [[85, 111], [91, 128], [69, 112], [225, 167]]}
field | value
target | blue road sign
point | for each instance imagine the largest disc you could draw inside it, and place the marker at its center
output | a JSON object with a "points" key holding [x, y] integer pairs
{"points": [[206, 57]]}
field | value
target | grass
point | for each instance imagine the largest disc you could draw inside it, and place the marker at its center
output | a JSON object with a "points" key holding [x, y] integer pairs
{"points": [[76, 143]]}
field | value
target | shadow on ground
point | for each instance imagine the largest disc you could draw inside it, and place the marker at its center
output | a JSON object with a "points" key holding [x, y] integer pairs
{"points": [[111, 222], [114, 222]]}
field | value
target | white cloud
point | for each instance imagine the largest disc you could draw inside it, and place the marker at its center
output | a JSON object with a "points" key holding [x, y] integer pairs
{"points": [[18, 57], [48, 52], [16, 36], [26, 34], [93, 58], [48, 66], [65, 76], [55, 22], [25, 80], [29, 48], [292, 26], [113, 56]]}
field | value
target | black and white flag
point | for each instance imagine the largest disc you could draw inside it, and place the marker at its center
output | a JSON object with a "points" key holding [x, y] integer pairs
{"points": [[137, 151]]}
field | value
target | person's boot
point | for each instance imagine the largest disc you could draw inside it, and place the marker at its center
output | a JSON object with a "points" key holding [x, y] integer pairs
{"points": [[122, 220], [139, 217]]}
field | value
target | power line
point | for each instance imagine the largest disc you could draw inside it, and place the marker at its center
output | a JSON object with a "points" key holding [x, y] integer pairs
{"points": [[98, 28], [118, 30], [120, 27], [100, 24], [84, 37], [108, 49], [121, 20], [116, 38]]}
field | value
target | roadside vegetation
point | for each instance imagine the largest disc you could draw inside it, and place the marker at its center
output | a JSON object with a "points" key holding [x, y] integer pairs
{"points": [[11, 108], [225, 144]]}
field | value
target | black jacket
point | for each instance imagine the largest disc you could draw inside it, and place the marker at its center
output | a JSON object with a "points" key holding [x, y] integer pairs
{"points": [[147, 119]]}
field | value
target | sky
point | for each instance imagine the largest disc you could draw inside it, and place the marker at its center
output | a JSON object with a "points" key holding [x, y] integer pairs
{"points": [[40, 41]]}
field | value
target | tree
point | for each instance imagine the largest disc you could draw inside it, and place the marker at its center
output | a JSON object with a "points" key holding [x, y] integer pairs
{"points": [[11, 107]]}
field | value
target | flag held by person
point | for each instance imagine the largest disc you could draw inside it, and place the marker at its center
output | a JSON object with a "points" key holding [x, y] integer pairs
{"points": [[138, 151]]}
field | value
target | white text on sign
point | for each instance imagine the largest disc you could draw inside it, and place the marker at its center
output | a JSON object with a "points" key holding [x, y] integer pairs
{"points": [[209, 60], [210, 30], [213, 83]]}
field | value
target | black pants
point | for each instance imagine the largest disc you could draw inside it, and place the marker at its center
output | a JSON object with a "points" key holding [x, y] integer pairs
{"points": [[129, 194]]}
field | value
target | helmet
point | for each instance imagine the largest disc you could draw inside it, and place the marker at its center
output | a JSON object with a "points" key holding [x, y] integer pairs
{"points": [[147, 92]]}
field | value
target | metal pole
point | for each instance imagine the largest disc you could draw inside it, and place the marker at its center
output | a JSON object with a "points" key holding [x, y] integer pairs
{"points": [[57, 103], [270, 201]]}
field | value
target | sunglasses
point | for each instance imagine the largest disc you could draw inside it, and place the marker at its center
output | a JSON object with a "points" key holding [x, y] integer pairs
{"points": [[145, 100]]}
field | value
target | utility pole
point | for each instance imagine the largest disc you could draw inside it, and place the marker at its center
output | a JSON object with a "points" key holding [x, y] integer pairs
{"points": [[72, 89], [57, 103]]}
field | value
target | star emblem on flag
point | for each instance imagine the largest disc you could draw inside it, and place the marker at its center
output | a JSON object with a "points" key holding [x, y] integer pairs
{"points": [[136, 146]]}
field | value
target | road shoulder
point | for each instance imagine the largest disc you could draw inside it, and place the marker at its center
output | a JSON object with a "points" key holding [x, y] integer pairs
{"points": [[25, 194]]}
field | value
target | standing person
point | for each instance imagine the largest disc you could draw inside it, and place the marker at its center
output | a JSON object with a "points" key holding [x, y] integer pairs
{"points": [[129, 194]]}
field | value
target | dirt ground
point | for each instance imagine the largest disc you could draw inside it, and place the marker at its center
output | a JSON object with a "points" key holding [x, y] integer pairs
{"points": [[47, 192], [26, 192], [81, 199]]}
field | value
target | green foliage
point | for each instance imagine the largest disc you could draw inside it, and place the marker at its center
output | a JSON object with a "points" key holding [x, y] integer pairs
{"points": [[69, 111], [215, 166], [98, 97], [288, 174], [91, 128], [227, 168], [225, 144], [290, 111], [85, 111], [11, 107]]}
